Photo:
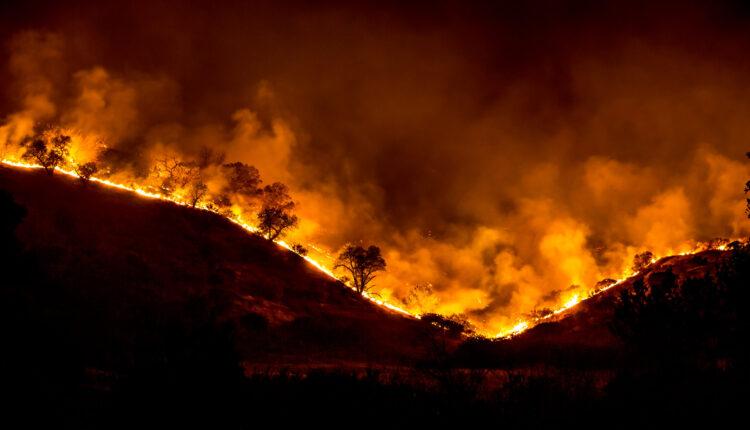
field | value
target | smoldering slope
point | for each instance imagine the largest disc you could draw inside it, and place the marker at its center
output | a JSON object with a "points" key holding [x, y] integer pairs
{"points": [[497, 154]]}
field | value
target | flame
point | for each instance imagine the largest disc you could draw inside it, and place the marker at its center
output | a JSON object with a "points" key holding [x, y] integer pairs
{"points": [[237, 220], [525, 324], [519, 326]]}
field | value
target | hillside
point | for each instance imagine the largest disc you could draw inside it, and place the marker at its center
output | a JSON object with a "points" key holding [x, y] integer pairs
{"points": [[584, 330], [125, 269], [115, 308]]}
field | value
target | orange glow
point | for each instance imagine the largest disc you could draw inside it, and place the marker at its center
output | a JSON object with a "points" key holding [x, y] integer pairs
{"points": [[182, 202], [514, 329], [499, 187], [525, 324]]}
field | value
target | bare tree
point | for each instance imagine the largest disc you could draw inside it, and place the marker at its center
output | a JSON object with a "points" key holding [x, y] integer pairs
{"points": [[361, 264], [85, 171], [197, 192], [275, 221], [175, 174], [49, 150], [275, 214]]}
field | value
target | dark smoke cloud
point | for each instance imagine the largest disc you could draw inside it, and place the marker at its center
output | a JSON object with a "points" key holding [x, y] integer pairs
{"points": [[500, 153]]}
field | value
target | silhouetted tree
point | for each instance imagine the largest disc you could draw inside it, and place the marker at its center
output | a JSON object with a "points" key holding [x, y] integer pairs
{"points": [[241, 179], [361, 264], [454, 324], [274, 221], [196, 192], [299, 249], [48, 149], [641, 261], [601, 285], [274, 216], [175, 174], [277, 195], [85, 171]]}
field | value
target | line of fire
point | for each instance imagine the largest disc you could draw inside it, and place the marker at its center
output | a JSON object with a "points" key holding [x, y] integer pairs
{"points": [[432, 214]]}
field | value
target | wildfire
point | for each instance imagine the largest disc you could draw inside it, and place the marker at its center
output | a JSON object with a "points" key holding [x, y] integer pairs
{"points": [[519, 327], [524, 325], [237, 220]]}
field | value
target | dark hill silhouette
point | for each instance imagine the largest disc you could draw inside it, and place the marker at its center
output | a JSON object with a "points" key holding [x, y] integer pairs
{"points": [[125, 269], [115, 309], [583, 336], [587, 324]]}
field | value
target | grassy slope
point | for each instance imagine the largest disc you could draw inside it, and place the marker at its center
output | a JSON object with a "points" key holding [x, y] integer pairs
{"points": [[122, 263], [587, 323]]}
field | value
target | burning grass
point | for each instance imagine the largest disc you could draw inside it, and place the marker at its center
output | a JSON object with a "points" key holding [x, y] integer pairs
{"points": [[519, 327]]}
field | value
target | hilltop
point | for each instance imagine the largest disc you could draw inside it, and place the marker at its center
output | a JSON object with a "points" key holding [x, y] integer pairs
{"points": [[582, 336], [587, 323], [125, 269]]}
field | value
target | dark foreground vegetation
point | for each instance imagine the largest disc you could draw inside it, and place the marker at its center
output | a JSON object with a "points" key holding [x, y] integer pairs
{"points": [[681, 359]]}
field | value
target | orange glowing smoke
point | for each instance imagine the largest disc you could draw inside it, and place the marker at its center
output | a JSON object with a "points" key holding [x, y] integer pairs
{"points": [[518, 327], [237, 220], [500, 181]]}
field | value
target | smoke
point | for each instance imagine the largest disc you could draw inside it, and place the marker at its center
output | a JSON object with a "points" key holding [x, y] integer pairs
{"points": [[31, 64], [507, 156]]}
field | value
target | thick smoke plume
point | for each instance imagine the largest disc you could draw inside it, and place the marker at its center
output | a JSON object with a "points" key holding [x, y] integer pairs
{"points": [[503, 158]]}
